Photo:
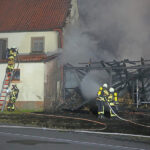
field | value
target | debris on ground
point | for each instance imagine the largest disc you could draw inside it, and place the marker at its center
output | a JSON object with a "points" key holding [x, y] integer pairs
{"points": [[44, 120]]}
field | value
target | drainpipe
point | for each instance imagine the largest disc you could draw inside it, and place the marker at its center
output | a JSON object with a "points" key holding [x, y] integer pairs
{"points": [[60, 36], [61, 46], [60, 32]]}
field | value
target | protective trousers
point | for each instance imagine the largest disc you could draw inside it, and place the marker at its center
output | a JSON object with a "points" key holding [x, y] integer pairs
{"points": [[100, 105], [10, 106], [113, 110]]}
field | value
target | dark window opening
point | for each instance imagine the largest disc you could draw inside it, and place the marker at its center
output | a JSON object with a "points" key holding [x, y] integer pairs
{"points": [[37, 45], [3, 47], [16, 75]]}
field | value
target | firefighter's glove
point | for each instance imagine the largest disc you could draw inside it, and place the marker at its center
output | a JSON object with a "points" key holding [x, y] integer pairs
{"points": [[116, 103], [98, 99]]}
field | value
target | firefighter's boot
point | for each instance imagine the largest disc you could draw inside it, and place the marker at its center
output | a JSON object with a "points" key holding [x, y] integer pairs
{"points": [[101, 116]]}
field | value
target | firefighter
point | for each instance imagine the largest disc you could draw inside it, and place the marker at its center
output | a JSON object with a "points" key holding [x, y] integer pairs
{"points": [[15, 92], [11, 64], [12, 52], [12, 98], [113, 101], [101, 99]]}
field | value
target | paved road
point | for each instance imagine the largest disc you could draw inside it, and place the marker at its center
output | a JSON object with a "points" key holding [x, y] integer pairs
{"points": [[42, 139]]}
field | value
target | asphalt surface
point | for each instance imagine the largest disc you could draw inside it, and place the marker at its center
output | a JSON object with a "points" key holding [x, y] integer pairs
{"points": [[20, 138]]}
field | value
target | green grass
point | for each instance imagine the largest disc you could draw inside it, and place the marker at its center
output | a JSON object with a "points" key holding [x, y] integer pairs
{"points": [[20, 111]]}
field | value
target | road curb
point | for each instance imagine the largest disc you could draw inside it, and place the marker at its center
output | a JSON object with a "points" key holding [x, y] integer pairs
{"points": [[70, 130]]}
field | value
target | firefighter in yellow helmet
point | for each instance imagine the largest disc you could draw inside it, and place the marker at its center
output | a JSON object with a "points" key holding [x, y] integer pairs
{"points": [[113, 101], [12, 52], [12, 98], [101, 99]]}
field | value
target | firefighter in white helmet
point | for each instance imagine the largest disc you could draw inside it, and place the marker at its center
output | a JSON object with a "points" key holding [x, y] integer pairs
{"points": [[113, 101], [102, 94]]}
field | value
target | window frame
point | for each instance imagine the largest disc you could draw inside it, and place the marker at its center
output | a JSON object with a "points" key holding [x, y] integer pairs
{"points": [[6, 39], [32, 44], [14, 80]]}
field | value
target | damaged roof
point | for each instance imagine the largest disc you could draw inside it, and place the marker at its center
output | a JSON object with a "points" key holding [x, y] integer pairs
{"points": [[33, 15]]}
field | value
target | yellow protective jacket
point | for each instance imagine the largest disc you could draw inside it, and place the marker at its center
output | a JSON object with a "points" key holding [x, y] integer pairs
{"points": [[102, 94], [113, 98], [11, 62], [11, 67], [14, 95]]}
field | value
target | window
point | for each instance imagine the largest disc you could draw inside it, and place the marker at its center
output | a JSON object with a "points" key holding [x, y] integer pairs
{"points": [[3, 46], [37, 44], [16, 75]]}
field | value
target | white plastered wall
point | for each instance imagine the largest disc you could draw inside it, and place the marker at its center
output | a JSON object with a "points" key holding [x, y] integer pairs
{"points": [[31, 84], [22, 40], [2, 73]]}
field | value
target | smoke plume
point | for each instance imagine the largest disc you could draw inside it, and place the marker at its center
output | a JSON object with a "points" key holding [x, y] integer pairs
{"points": [[120, 27], [107, 30], [112, 29]]}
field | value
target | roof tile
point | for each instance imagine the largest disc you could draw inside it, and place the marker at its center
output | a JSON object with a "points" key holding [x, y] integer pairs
{"points": [[33, 15]]}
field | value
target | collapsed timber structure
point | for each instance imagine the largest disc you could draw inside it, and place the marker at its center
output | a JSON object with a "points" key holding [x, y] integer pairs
{"points": [[127, 77]]}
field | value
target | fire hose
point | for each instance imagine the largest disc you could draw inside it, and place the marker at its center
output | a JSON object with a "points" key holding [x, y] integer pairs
{"points": [[67, 117], [126, 120], [75, 118]]}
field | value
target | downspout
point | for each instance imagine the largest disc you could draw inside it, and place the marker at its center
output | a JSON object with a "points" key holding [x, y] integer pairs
{"points": [[60, 32], [60, 36]]}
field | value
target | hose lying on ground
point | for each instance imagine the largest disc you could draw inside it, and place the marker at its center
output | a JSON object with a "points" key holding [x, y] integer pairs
{"points": [[68, 117], [74, 118], [126, 119]]}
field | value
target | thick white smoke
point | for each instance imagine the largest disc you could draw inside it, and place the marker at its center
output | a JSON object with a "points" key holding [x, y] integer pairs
{"points": [[107, 30], [91, 83]]}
